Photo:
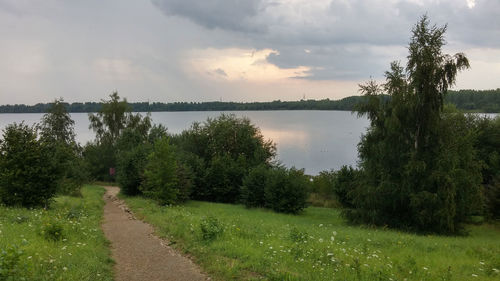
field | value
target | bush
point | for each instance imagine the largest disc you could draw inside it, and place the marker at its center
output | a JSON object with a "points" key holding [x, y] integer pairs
{"points": [[130, 169], [224, 177], [11, 267], [252, 190], [286, 190], [211, 228], [492, 198], [195, 169], [52, 230], [160, 176], [28, 172], [344, 183], [220, 152]]}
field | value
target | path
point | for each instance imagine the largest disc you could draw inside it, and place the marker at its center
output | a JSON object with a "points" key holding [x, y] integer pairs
{"points": [[138, 253]]}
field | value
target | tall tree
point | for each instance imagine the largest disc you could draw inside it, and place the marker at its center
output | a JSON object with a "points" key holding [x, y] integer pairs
{"points": [[419, 165], [109, 123]]}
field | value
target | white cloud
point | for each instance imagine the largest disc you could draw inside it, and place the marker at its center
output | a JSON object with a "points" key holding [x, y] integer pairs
{"points": [[240, 64]]}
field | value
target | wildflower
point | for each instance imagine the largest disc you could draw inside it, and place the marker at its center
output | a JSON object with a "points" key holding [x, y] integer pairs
{"points": [[332, 238], [65, 268], [474, 275], [334, 233], [320, 225], [425, 268], [320, 240]]}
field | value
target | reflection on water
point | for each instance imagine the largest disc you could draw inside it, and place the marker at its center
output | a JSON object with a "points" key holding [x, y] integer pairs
{"points": [[313, 140]]}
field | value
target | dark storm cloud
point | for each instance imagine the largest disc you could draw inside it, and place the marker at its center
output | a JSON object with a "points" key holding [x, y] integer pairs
{"points": [[235, 15]]}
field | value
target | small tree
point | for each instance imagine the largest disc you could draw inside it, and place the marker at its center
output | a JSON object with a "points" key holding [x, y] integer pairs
{"points": [[28, 172], [160, 177], [57, 132]]}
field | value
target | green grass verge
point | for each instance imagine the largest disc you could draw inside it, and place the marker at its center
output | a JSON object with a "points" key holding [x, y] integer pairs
{"points": [[316, 245], [63, 243]]}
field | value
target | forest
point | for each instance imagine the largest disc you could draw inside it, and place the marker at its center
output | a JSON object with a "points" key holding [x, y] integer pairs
{"points": [[486, 101]]}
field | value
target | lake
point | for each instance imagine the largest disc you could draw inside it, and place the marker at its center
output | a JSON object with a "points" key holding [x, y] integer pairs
{"points": [[313, 140]]}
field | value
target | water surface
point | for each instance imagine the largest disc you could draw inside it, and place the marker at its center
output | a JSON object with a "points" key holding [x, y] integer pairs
{"points": [[313, 140]]}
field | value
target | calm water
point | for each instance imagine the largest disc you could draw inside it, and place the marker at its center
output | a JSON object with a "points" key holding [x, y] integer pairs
{"points": [[314, 140]]}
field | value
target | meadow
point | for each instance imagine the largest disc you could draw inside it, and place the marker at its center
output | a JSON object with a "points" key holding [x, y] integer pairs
{"points": [[64, 242], [232, 242]]}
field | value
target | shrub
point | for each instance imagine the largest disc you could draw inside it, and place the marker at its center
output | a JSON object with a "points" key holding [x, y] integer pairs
{"points": [[130, 169], [286, 190], [211, 228], [492, 198], [28, 172], [254, 183], [195, 170], [322, 192], [220, 152], [11, 267], [52, 230], [224, 177], [344, 182], [160, 176]]}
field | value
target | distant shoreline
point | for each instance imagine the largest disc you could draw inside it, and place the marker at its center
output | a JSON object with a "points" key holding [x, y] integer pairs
{"points": [[479, 101]]}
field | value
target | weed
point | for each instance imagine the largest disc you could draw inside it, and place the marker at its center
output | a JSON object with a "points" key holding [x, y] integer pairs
{"points": [[211, 228]]}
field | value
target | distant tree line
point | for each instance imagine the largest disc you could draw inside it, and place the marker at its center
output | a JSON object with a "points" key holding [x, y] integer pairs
{"points": [[468, 100]]}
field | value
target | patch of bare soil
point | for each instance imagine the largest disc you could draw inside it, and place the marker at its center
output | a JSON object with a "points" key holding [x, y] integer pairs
{"points": [[138, 253]]}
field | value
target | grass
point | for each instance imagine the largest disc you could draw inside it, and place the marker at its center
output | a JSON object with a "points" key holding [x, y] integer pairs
{"points": [[234, 243], [62, 243]]}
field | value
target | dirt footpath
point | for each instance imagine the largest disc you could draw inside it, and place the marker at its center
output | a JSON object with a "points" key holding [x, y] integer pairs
{"points": [[140, 255]]}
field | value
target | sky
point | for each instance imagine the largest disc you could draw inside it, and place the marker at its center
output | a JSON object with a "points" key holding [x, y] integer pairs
{"points": [[229, 50]]}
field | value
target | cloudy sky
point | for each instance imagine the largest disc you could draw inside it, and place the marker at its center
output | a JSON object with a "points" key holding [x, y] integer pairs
{"points": [[230, 50]]}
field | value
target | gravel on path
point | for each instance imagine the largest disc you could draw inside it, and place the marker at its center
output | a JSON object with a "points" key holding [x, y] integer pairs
{"points": [[137, 252]]}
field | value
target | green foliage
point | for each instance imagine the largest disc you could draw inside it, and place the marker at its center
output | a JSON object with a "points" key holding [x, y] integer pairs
{"points": [[220, 152], [224, 177], [253, 188], [420, 169], [286, 190], [344, 181], [133, 151], [57, 125], [28, 170], [57, 132], [211, 228], [160, 176], [98, 158], [11, 266], [52, 230], [492, 198], [109, 123]]}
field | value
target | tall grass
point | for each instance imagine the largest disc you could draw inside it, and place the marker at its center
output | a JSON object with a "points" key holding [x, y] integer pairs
{"points": [[62, 243], [257, 244]]}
